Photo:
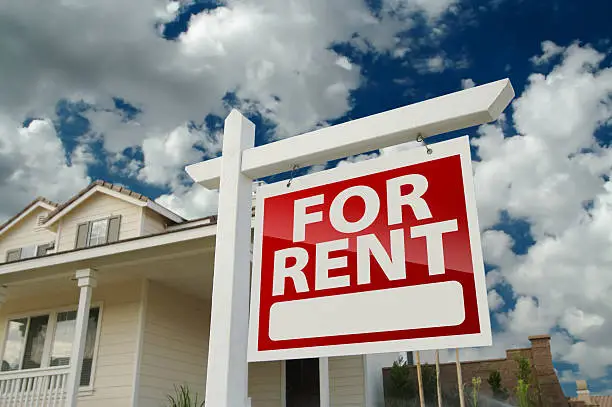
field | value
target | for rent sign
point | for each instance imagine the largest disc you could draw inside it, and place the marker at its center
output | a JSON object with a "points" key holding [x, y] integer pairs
{"points": [[378, 256]]}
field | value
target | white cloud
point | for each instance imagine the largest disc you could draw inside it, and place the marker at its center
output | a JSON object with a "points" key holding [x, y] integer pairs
{"points": [[356, 159], [495, 300], [439, 63], [401, 147], [549, 51], [33, 162], [274, 56], [435, 64], [431, 8], [467, 83], [546, 176], [191, 202], [165, 158]]}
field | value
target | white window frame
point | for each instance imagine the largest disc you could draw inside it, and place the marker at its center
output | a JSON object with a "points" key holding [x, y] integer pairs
{"points": [[36, 246], [107, 220], [90, 230], [46, 358]]}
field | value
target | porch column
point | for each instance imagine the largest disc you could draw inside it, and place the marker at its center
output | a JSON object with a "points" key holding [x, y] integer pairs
{"points": [[324, 382], [86, 281]]}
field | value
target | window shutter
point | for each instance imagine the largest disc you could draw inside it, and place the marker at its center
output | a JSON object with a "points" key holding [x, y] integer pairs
{"points": [[43, 249], [13, 255], [113, 229], [82, 234]]}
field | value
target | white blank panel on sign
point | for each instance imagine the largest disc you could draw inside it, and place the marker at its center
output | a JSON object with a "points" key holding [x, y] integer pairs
{"points": [[413, 307]]}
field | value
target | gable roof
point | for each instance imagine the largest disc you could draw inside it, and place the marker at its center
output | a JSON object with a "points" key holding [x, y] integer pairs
{"points": [[116, 191], [39, 202]]}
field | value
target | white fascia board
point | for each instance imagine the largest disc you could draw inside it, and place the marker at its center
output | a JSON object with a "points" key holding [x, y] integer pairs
{"points": [[115, 248], [97, 188], [154, 206], [39, 204], [459, 110]]}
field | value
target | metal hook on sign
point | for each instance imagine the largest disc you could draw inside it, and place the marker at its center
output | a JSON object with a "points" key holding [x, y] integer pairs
{"points": [[420, 139], [295, 167]]}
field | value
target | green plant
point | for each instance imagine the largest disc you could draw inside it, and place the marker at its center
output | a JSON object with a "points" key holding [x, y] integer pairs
{"points": [[495, 382], [527, 391], [400, 384], [183, 398], [522, 393], [475, 391], [524, 372]]}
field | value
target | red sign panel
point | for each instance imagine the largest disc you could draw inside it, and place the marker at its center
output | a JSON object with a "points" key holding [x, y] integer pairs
{"points": [[378, 256]]}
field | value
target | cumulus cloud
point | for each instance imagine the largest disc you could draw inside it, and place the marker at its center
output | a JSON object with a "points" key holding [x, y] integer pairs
{"points": [[264, 53], [555, 175], [549, 51], [467, 83], [165, 157], [33, 162], [191, 202]]}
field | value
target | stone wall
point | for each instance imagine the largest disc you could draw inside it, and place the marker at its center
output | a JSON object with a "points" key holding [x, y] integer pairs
{"points": [[539, 355]]}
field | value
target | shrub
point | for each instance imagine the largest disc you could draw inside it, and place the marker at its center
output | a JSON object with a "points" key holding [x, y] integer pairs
{"points": [[183, 398]]}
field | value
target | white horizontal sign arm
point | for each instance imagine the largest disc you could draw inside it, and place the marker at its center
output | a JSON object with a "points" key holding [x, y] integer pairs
{"points": [[459, 110]]}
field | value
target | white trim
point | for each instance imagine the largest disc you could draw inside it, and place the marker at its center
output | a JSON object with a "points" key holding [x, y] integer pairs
{"points": [[94, 361], [283, 383], [166, 213], [32, 208], [457, 146], [110, 249], [57, 236], [367, 390], [142, 221], [188, 224], [51, 326], [454, 111], [110, 192], [48, 345], [324, 387], [85, 196], [142, 315]]}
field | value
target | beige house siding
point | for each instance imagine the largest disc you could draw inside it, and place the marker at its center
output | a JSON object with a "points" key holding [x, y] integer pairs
{"points": [[25, 233], [346, 381], [175, 344], [99, 206], [152, 222], [265, 384], [114, 365]]}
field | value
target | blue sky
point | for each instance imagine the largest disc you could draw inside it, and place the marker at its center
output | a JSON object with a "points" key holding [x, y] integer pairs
{"points": [[135, 96]]}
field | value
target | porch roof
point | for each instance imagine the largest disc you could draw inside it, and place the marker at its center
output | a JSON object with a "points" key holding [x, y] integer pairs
{"points": [[187, 239]]}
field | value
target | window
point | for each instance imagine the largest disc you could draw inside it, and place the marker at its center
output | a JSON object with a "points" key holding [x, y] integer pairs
{"points": [[46, 340], [29, 252], [98, 232]]}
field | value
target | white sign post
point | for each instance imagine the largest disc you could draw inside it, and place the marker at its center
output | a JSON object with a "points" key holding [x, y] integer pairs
{"points": [[226, 383]]}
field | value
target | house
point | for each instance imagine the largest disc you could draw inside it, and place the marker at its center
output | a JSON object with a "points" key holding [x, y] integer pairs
{"points": [[539, 356], [121, 285], [585, 399]]}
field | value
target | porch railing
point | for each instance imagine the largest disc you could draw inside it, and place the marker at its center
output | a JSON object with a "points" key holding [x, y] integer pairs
{"points": [[34, 388]]}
